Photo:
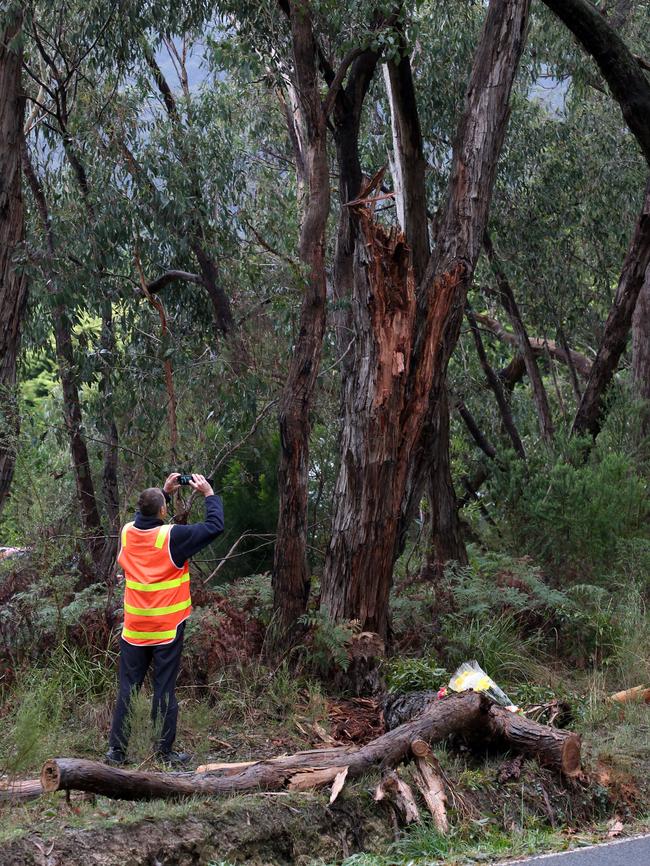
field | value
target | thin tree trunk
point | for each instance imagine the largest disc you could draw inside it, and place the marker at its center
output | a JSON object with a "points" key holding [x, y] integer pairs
{"points": [[641, 353], [290, 568], [446, 541], [496, 387], [562, 353], [397, 367], [590, 412], [627, 81], [68, 375], [507, 298], [198, 241], [107, 423], [110, 487], [13, 284]]}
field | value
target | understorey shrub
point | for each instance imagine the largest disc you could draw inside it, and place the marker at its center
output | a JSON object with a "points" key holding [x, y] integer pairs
{"points": [[216, 636], [567, 512]]}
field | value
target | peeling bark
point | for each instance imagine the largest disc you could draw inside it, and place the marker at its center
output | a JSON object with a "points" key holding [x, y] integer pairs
{"points": [[359, 587], [373, 452], [13, 285], [290, 569]]}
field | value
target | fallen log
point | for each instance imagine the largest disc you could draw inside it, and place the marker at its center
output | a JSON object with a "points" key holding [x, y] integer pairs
{"points": [[468, 713], [638, 693], [556, 748], [19, 791]]}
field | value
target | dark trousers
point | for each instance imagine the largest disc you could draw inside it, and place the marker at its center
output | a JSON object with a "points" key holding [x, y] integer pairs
{"points": [[134, 664]]}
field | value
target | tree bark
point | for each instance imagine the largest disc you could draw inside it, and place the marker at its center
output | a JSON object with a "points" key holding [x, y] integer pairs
{"points": [[290, 569], [68, 375], [507, 298], [446, 542], [589, 416], [626, 79], [641, 354], [446, 539], [397, 367], [13, 284], [469, 714]]}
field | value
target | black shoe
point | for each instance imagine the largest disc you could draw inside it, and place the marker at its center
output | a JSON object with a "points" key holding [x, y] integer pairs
{"points": [[115, 757], [174, 759]]}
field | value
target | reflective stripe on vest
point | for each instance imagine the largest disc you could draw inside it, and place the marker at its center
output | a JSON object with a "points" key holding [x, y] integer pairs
{"points": [[157, 611], [157, 592], [157, 636], [154, 587]]}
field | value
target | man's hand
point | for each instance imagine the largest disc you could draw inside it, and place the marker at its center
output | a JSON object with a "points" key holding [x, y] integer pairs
{"points": [[171, 485], [200, 483]]}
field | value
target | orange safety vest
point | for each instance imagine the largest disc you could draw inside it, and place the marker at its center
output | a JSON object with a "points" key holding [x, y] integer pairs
{"points": [[157, 592]]}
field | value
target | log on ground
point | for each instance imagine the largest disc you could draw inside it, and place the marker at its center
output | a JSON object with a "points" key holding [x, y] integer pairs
{"points": [[467, 714], [552, 747]]}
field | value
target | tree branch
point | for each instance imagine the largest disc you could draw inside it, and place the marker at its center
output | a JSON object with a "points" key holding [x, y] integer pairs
{"points": [[626, 80]]}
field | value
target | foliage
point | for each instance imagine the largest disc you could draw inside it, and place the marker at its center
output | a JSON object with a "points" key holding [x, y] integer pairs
{"points": [[328, 641], [413, 674], [568, 513]]}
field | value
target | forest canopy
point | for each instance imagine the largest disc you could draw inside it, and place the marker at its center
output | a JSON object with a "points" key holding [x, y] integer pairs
{"points": [[380, 269]]}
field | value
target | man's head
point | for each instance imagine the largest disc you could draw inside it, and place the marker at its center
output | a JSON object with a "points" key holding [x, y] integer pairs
{"points": [[151, 503]]}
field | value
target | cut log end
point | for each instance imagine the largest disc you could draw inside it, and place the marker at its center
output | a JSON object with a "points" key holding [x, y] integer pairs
{"points": [[571, 756], [50, 776]]}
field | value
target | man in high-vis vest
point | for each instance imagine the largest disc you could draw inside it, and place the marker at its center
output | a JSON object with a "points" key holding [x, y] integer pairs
{"points": [[154, 556]]}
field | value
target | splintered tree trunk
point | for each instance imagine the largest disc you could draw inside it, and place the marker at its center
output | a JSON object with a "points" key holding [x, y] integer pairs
{"points": [[641, 353], [374, 455], [445, 539], [396, 369], [290, 569], [617, 328], [13, 285]]}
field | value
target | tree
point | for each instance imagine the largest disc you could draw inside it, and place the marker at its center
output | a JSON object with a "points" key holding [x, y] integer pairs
{"points": [[290, 571], [402, 367], [13, 283]]}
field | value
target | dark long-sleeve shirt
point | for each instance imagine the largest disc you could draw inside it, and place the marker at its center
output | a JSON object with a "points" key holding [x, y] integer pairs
{"points": [[187, 541]]}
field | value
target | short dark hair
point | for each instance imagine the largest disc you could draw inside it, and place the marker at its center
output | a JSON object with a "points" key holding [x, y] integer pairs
{"points": [[151, 501]]}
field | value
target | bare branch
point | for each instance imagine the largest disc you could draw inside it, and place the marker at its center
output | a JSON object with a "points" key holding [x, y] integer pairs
{"points": [[170, 277]]}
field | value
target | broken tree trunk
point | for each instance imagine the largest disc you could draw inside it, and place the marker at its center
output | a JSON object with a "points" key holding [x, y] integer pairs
{"points": [[429, 782], [552, 747], [469, 714], [400, 796]]}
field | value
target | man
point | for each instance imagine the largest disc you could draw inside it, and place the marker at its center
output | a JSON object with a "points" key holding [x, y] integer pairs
{"points": [[154, 556]]}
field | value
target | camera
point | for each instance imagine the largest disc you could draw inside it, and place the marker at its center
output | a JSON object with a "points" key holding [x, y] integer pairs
{"points": [[185, 477]]}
